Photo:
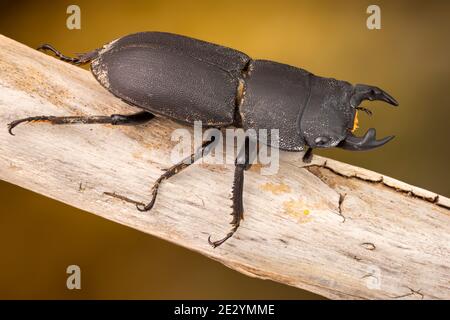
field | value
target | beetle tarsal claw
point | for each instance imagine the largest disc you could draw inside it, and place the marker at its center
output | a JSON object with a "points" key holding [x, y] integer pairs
{"points": [[217, 243], [364, 92], [15, 123], [367, 142]]}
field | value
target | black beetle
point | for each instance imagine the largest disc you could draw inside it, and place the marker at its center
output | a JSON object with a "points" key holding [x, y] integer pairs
{"points": [[191, 80]]}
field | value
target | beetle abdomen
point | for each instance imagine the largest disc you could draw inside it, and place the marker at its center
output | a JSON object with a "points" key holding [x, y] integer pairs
{"points": [[175, 76]]}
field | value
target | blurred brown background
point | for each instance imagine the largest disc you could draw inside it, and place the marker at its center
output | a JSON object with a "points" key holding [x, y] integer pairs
{"points": [[408, 57]]}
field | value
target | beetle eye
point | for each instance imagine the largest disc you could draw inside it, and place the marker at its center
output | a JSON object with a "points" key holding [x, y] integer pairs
{"points": [[320, 141]]}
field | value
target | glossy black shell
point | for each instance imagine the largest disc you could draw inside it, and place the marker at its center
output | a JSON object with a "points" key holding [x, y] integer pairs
{"points": [[174, 76], [189, 80]]}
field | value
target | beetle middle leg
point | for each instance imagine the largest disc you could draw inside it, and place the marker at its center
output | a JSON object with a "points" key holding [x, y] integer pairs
{"points": [[242, 163], [307, 157], [199, 153], [115, 119]]}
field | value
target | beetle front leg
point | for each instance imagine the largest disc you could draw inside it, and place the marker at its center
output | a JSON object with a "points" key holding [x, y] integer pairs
{"points": [[115, 119], [242, 164], [307, 157]]}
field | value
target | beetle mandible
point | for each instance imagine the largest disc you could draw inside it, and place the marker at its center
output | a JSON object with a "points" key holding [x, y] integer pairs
{"points": [[189, 80]]}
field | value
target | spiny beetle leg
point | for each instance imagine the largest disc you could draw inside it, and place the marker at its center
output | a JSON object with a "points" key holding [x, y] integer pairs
{"points": [[80, 59], [115, 119], [242, 164], [199, 153], [238, 207]]}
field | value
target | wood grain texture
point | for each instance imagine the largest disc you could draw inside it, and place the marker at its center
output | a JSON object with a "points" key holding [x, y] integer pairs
{"points": [[330, 228]]}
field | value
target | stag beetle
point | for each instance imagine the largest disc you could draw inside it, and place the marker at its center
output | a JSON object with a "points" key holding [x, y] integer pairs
{"points": [[189, 80]]}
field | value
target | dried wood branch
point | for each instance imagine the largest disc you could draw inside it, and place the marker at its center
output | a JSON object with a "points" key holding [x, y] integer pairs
{"points": [[330, 228]]}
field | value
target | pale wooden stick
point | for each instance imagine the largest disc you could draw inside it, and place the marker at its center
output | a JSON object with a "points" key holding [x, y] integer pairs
{"points": [[333, 229]]}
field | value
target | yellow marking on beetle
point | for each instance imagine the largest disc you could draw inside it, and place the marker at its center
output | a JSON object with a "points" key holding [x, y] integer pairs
{"points": [[296, 209], [276, 188], [240, 92], [355, 122]]}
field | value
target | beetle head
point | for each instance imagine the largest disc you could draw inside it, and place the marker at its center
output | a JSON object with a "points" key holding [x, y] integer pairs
{"points": [[330, 116]]}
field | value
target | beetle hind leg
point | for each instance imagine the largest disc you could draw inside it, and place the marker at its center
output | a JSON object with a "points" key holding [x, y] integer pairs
{"points": [[80, 59], [115, 119]]}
